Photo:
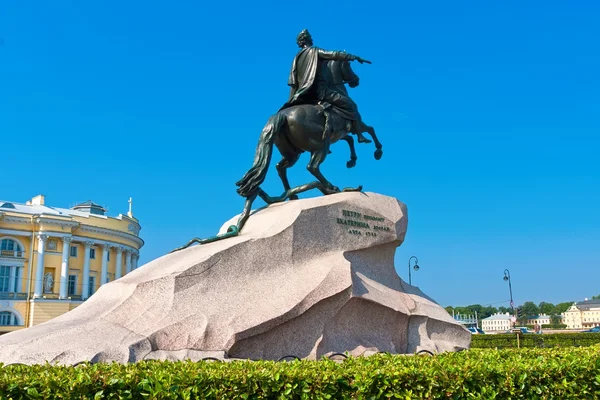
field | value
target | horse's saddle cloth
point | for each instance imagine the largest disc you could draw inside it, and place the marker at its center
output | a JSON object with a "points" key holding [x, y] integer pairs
{"points": [[333, 121]]}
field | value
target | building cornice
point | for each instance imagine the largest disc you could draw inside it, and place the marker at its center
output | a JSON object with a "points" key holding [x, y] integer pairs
{"points": [[14, 232], [17, 219], [72, 224], [112, 232], [100, 242], [62, 222], [13, 261]]}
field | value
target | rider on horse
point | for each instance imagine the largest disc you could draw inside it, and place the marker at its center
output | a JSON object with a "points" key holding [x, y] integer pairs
{"points": [[311, 83]]}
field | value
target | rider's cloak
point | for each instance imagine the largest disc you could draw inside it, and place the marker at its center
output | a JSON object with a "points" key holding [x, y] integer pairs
{"points": [[304, 71]]}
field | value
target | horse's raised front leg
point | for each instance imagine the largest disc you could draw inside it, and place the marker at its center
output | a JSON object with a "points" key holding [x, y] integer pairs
{"points": [[288, 160], [353, 156], [316, 159], [362, 127]]}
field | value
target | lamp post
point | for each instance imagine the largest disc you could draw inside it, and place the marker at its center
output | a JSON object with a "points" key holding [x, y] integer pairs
{"points": [[416, 267], [507, 278]]}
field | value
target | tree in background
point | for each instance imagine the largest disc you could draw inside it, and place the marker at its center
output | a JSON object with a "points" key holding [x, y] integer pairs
{"points": [[562, 307], [547, 308], [530, 309], [596, 297]]}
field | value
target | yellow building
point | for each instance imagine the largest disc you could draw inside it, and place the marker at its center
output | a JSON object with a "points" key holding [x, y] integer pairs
{"points": [[52, 259], [582, 315]]}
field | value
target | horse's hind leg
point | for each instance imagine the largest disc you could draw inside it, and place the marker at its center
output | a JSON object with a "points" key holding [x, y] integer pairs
{"points": [[288, 160], [316, 159], [353, 156]]}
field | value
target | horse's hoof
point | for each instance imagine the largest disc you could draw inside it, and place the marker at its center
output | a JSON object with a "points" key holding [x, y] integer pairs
{"points": [[378, 154], [351, 163], [294, 197], [356, 189]]}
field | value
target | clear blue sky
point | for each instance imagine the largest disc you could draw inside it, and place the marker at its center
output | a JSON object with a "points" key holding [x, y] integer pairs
{"points": [[488, 112]]}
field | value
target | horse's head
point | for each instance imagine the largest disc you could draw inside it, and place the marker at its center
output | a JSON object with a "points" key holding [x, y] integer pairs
{"points": [[348, 74], [341, 72]]}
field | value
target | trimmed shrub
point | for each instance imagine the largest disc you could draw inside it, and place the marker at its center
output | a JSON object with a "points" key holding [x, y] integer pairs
{"points": [[526, 373], [550, 326], [509, 340]]}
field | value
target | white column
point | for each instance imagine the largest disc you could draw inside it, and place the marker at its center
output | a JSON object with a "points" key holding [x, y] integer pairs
{"points": [[119, 263], [128, 255], [134, 261], [85, 285], [39, 270], [11, 278], [64, 268], [104, 271]]}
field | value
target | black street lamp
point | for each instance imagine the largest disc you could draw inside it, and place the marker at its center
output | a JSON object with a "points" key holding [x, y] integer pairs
{"points": [[507, 278], [416, 267]]}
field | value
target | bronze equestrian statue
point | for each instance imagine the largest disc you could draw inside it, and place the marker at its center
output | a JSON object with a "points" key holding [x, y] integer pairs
{"points": [[304, 124], [318, 113]]}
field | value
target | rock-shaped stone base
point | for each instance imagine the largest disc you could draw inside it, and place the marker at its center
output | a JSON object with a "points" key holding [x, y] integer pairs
{"points": [[306, 278]]}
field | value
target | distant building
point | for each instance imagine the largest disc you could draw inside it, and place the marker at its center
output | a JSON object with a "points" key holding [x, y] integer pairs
{"points": [[582, 315], [541, 319], [497, 323], [52, 259]]}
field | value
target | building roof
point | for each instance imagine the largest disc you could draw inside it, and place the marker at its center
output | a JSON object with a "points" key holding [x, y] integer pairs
{"points": [[86, 217], [588, 304], [88, 203], [86, 209], [543, 316], [90, 207], [43, 209], [503, 317]]}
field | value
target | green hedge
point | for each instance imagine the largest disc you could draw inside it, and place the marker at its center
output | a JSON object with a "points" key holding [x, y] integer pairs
{"points": [[554, 326], [524, 374], [551, 326], [508, 340]]}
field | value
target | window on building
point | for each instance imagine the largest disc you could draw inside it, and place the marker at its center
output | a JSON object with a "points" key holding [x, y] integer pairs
{"points": [[4, 278], [10, 248], [7, 318], [108, 256], [92, 285], [72, 285], [17, 289], [73, 251], [51, 245], [93, 254]]}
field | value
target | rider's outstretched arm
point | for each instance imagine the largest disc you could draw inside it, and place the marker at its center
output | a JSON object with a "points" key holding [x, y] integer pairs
{"points": [[336, 55]]}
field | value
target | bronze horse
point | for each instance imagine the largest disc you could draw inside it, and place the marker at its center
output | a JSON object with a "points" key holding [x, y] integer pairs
{"points": [[297, 129]]}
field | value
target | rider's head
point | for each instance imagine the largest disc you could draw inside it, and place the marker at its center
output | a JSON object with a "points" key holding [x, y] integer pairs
{"points": [[304, 39]]}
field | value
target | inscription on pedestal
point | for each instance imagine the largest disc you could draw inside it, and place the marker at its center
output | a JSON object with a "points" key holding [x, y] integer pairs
{"points": [[362, 224]]}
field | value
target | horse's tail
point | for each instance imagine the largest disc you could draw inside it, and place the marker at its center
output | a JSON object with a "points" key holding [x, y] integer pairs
{"points": [[255, 176]]}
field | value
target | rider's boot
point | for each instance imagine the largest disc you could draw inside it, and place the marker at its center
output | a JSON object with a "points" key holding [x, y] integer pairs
{"points": [[362, 139]]}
